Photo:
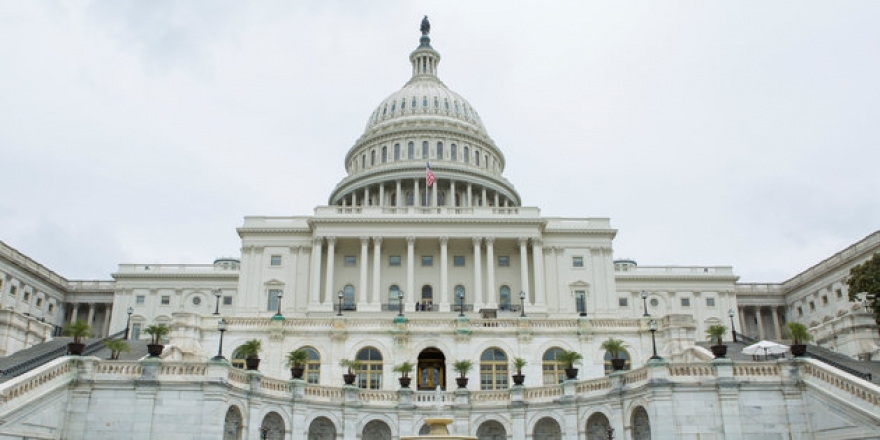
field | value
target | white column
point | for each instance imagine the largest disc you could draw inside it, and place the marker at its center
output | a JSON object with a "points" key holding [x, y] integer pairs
{"points": [[491, 288], [434, 193], [760, 324], [381, 194], [91, 315], [444, 275], [410, 277], [470, 196], [776, 322], [377, 273], [523, 266], [105, 331], [362, 285], [399, 195], [316, 272], [741, 320], [483, 201], [450, 201], [367, 196], [496, 199], [538, 254], [331, 256], [417, 198], [478, 274]]}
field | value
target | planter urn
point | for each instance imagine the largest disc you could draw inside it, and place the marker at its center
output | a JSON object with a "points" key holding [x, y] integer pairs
{"points": [[719, 351], [297, 373], [252, 363], [155, 350], [571, 373], [618, 364], [518, 379], [404, 381], [461, 381], [798, 350], [76, 348]]}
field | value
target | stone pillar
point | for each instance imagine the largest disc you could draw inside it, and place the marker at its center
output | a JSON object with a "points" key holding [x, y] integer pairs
{"points": [[538, 254], [105, 330], [417, 198], [381, 194], [410, 276], [524, 265], [491, 288], [478, 274], [452, 195], [362, 285], [316, 272], [483, 201], [434, 193], [444, 273], [741, 320], [496, 199], [377, 270], [470, 195], [74, 312], [776, 322], [760, 323], [366, 196], [331, 256], [399, 197], [91, 315]]}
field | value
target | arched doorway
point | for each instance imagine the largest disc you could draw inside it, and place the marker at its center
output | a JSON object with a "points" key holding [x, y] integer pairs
{"points": [[641, 424], [431, 371], [597, 427], [547, 429], [322, 429], [491, 430], [272, 427], [376, 430], [427, 300], [232, 424]]}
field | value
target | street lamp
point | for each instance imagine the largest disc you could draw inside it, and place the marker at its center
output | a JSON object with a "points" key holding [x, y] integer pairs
{"points": [[644, 296], [610, 432], [522, 299], [279, 296], [652, 326], [221, 327], [217, 294], [461, 304], [732, 327], [128, 321], [399, 303], [339, 295]]}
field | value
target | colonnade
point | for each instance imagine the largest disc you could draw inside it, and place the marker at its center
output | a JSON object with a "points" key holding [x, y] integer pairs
{"points": [[91, 310], [754, 322], [415, 192]]}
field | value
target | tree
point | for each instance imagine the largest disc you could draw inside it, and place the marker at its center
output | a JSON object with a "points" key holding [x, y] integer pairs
{"points": [[865, 279]]}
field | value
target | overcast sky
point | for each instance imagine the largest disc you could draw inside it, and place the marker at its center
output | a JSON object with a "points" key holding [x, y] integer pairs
{"points": [[711, 133]]}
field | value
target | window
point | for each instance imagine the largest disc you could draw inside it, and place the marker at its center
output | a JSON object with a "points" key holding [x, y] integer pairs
{"points": [[800, 311], [467, 157], [503, 261], [396, 152], [312, 371], [460, 298], [710, 302], [370, 373], [439, 150], [12, 290], [410, 150], [51, 308], [504, 298], [275, 260], [272, 303], [812, 306], [580, 299], [824, 300], [348, 298], [384, 154], [136, 331], [139, 300], [372, 157], [839, 293], [427, 261], [622, 355], [493, 370], [394, 298], [685, 302], [227, 300], [27, 295], [425, 150], [477, 157], [197, 300], [350, 260], [453, 153], [577, 261], [394, 261], [39, 302], [458, 261], [553, 371], [166, 299], [363, 161], [623, 302], [654, 302]]}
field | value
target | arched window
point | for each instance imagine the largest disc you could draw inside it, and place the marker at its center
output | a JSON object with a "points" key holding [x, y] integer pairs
{"points": [[547, 429], [312, 371], [623, 355], [384, 154], [238, 358], [425, 150], [376, 430], [393, 107], [493, 370], [641, 424], [436, 102], [425, 101], [491, 430], [232, 426], [439, 150], [396, 152], [363, 161], [410, 150], [504, 297], [486, 161], [370, 374], [467, 156], [453, 153], [373, 158], [446, 104], [477, 157], [394, 298], [427, 302], [414, 102], [273, 426], [348, 298], [597, 427], [460, 298], [552, 370], [322, 429]]}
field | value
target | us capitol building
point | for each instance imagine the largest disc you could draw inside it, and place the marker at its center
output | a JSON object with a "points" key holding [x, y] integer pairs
{"points": [[425, 253]]}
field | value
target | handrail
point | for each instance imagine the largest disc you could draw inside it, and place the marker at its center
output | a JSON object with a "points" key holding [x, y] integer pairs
{"points": [[839, 366], [745, 338], [30, 364]]}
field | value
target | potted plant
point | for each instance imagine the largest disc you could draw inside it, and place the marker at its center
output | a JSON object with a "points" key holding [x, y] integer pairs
{"points": [[296, 361], [404, 369], [462, 367], [518, 364], [352, 365], [615, 346], [715, 333], [116, 346], [251, 352], [570, 359], [799, 336], [77, 330], [156, 332]]}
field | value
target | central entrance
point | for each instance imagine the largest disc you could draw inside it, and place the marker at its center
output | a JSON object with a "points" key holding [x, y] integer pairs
{"points": [[431, 370]]}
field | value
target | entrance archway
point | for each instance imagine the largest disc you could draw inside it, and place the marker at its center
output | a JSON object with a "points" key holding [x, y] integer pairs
{"points": [[491, 430], [322, 429], [431, 371], [427, 300]]}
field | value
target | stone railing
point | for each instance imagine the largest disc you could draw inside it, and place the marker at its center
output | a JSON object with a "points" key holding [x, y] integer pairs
{"points": [[36, 383], [319, 393], [435, 398], [543, 394], [490, 396], [849, 385], [593, 385], [378, 397], [119, 369]]}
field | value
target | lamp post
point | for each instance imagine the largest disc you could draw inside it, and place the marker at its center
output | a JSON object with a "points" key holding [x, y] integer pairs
{"points": [[652, 326], [399, 303], [339, 295], [221, 327], [644, 296], [461, 304], [217, 294], [264, 433], [522, 300], [128, 321], [278, 314], [610, 432], [732, 327]]}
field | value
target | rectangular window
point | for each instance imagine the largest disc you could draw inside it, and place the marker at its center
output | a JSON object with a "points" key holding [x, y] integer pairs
{"points": [[139, 300], [227, 300], [812, 306], [12, 290], [166, 300], [710, 302], [577, 261], [273, 300], [800, 311], [39, 302], [623, 302], [685, 302], [394, 260], [458, 261], [350, 260], [275, 260], [427, 261], [135, 331], [503, 261], [839, 293], [51, 308], [27, 295], [580, 300], [824, 300]]}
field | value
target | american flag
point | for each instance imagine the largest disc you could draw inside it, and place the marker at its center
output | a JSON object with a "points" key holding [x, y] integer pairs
{"points": [[430, 175]]}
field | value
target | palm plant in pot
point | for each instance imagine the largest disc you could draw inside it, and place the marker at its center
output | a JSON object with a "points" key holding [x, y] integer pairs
{"points": [[404, 369], [518, 364], [715, 333], [799, 337], [251, 352], [570, 359], [352, 365], [615, 346], [462, 367], [156, 332], [296, 361], [77, 330], [116, 346]]}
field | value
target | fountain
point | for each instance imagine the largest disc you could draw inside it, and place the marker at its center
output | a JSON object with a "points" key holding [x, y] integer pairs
{"points": [[438, 431]]}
